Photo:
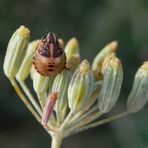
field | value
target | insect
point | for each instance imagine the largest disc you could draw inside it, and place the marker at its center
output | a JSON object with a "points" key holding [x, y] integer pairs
{"points": [[48, 109], [49, 58]]}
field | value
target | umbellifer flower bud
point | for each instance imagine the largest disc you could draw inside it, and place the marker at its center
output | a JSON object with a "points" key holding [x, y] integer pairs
{"points": [[72, 53], [16, 51], [80, 87], [98, 60], [48, 109], [40, 83], [112, 80], [139, 93], [60, 85], [27, 62]]}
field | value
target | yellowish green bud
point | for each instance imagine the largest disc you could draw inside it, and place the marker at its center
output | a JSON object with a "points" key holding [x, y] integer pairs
{"points": [[61, 41], [40, 83], [60, 85], [98, 60], [32, 72], [80, 87], [16, 51], [112, 80], [27, 62], [72, 53], [139, 93]]}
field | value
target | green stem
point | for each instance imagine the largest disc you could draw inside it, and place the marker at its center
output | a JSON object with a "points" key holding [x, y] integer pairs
{"points": [[24, 99], [56, 142], [78, 118], [86, 107], [30, 97], [64, 124], [87, 119], [97, 123]]}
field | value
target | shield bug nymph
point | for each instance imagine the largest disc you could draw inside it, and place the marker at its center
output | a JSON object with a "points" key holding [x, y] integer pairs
{"points": [[49, 58]]}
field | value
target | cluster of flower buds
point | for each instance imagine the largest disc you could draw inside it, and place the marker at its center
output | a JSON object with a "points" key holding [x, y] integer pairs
{"points": [[74, 99]]}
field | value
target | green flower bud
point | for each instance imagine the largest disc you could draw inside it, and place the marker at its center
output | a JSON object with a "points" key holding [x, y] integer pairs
{"points": [[16, 51], [40, 83], [98, 60], [60, 85], [32, 72], [61, 42], [112, 80], [27, 62], [139, 93], [72, 53], [80, 87]]}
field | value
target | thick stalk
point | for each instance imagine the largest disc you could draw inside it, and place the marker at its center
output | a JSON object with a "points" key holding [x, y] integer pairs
{"points": [[56, 142]]}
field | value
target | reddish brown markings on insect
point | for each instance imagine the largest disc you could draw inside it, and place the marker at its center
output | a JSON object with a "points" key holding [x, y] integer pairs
{"points": [[51, 65], [49, 58]]}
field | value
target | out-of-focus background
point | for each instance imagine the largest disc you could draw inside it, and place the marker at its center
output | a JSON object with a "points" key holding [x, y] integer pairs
{"points": [[94, 23]]}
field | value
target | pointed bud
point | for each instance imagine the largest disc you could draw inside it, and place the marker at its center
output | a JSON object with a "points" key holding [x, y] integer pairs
{"points": [[139, 93], [98, 60], [60, 85], [72, 53], [40, 83], [80, 87], [112, 80], [48, 109], [61, 42], [32, 72], [16, 51], [27, 62]]}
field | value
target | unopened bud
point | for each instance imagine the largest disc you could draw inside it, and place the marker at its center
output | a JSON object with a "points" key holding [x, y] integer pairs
{"points": [[112, 80], [80, 87], [60, 85], [40, 83], [98, 60], [27, 62], [61, 42], [139, 93], [16, 51], [72, 53], [48, 109]]}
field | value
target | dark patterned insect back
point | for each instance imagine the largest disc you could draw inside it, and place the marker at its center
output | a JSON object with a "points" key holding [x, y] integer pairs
{"points": [[49, 58]]}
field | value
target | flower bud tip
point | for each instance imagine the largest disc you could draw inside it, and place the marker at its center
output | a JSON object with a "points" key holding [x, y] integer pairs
{"points": [[84, 66], [23, 31]]}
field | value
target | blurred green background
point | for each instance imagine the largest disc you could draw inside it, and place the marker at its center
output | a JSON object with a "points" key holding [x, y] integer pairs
{"points": [[94, 23]]}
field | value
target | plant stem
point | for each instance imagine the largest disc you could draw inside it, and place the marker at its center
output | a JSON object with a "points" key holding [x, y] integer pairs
{"points": [[31, 98], [78, 119], [24, 99], [86, 107], [86, 120], [56, 142], [64, 124], [97, 123]]}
